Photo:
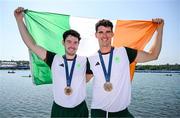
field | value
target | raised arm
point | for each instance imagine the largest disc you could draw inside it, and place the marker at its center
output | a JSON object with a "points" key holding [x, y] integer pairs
{"points": [[155, 49], [26, 37]]}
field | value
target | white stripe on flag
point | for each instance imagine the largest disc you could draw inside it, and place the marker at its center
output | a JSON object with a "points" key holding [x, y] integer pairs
{"points": [[86, 27]]}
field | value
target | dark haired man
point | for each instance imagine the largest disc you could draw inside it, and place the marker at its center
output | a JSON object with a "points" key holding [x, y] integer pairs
{"points": [[68, 72], [110, 67]]}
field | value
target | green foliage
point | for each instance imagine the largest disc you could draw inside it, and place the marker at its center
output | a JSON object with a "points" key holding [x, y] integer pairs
{"points": [[158, 67]]}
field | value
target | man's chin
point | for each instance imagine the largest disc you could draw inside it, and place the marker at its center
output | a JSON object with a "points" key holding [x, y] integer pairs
{"points": [[72, 54], [106, 45]]}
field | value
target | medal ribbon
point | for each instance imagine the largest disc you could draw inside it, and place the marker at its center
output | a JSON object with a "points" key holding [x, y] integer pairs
{"points": [[69, 77], [106, 74]]}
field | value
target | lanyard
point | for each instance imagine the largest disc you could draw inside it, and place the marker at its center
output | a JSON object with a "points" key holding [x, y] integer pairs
{"points": [[69, 77], [106, 74]]}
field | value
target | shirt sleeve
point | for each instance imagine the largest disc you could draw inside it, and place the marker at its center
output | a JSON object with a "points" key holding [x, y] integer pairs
{"points": [[88, 70], [132, 53], [49, 58]]}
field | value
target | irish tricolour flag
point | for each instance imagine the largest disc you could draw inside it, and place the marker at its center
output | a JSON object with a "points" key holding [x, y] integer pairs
{"points": [[47, 29]]}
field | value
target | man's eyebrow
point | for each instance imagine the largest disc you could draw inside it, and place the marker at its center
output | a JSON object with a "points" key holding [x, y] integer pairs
{"points": [[108, 31], [100, 31]]}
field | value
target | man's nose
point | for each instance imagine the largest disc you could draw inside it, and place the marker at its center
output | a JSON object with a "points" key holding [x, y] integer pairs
{"points": [[104, 35], [72, 45]]}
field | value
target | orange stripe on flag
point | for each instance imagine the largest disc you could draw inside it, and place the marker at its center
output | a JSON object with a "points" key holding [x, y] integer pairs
{"points": [[134, 34]]}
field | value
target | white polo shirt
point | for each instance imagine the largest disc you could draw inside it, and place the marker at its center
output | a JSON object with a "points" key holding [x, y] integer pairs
{"points": [[119, 98]]}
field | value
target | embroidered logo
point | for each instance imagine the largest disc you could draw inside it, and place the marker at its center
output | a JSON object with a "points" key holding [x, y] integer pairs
{"points": [[78, 66], [97, 63], [62, 65], [117, 59]]}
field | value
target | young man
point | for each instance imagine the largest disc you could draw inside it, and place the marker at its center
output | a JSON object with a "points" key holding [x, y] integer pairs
{"points": [[110, 67], [68, 72]]}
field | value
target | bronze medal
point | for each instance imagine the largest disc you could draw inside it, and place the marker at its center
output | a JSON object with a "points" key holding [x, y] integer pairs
{"points": [[108, 86], [107, 73], [68, 90]]}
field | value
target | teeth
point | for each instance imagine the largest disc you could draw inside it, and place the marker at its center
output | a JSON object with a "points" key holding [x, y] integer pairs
{"points": [[71, 49]]}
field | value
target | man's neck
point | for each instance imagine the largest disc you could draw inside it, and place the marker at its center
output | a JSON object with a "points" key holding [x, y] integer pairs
{"points": [[70, 56], [105, 49]]}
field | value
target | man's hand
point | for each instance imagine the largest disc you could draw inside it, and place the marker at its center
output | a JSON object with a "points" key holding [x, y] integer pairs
{"points": [[159, 21], [18, 13]]}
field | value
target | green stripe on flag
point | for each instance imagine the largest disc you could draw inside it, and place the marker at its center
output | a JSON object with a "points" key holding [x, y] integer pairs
{"points": [[46, 30]]}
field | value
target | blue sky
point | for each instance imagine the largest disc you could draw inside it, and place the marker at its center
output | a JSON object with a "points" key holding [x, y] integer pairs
{"points": [[13, 48]]}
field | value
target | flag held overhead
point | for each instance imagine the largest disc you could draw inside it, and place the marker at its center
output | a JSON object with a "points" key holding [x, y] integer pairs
{"points": [[47, 29]]}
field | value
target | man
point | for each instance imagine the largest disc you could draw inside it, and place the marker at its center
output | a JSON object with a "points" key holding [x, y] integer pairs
{"points": [[68, 72], [110, 67]]}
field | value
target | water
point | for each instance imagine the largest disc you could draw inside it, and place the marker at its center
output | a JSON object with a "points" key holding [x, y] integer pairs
{"points": [[153, 95], [156, 95]]}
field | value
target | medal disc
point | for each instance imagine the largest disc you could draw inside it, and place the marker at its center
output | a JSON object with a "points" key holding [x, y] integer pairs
{"points": [[108, 86], [68, 90]]}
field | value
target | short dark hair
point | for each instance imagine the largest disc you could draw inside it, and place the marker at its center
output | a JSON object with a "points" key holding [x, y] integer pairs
{"points": [[72, 33], [105, 23]]}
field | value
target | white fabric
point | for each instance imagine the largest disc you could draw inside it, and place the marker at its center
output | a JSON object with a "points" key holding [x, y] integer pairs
{"points": [[119, 98], [86, 27], [78, 82]]}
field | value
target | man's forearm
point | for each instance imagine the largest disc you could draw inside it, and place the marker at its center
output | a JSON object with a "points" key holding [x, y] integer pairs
{"points": [[156, 47], [26, 37]]}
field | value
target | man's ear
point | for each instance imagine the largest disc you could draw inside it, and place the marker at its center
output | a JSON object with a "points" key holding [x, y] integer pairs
{"points": [[113, 34], [62, 42], [95, 34]]}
